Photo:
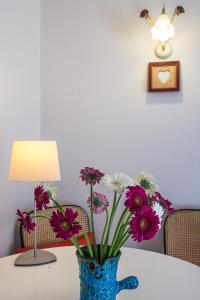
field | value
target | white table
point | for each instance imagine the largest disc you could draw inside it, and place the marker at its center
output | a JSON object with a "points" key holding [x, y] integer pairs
{"points": [[161, 277]]}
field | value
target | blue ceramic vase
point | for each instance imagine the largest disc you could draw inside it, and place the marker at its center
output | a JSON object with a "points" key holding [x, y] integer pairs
{"points": [[98, 282]]}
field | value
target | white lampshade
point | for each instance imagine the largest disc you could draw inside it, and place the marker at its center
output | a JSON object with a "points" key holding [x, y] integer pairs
{"points": [[34, 161], [163, 30]]}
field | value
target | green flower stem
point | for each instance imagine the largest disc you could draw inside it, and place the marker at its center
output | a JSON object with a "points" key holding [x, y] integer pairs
{"points": [[88, 242], [103, 235], [123, 226], [121, 220], [75, 243], [118, 200], [113, 212], [121, 233], [92, 223], [110, 224], [118, 239], [123, 241], [58, 206]]}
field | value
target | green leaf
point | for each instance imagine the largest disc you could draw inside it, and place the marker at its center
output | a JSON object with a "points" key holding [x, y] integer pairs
{"points": [[145, 184]]}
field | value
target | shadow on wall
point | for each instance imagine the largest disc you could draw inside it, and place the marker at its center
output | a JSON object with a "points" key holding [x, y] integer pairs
{"points": [[164, 98], [17, 238]]}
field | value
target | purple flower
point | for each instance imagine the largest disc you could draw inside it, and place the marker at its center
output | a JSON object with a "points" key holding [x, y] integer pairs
{"points": [[136, 198], [41, 197], [166, 204], [64, 224], [26, 221], [100, 202], [144, 225], [91, 175]]}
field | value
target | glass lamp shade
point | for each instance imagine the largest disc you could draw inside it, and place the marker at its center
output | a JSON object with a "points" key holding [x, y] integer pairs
{"points": [[34, 161], [163, 30]]}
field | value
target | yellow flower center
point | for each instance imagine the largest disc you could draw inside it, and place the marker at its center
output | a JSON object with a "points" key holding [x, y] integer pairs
{"points": [[64, 225], [143, 224], [116, 183], [40, 198], [138, 200]]}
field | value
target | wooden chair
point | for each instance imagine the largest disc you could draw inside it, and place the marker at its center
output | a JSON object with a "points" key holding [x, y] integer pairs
{"points": [[46, 238], [182, 235]]}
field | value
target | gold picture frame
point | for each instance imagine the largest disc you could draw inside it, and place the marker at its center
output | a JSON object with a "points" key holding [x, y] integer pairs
{"points": [[164, 76]]}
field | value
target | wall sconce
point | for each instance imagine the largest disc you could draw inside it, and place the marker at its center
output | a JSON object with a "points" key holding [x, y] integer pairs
{"points": [[162, 30]]}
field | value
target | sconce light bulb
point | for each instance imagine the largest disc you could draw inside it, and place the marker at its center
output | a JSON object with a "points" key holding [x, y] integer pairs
{"points": [[163, 29]]}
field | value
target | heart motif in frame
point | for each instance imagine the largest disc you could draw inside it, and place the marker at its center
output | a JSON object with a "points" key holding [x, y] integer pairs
{"points": [[164, 76]]}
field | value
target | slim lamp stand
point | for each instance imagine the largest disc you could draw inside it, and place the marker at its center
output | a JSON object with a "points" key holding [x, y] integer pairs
{"points": [[35, 256], [34, 161]]}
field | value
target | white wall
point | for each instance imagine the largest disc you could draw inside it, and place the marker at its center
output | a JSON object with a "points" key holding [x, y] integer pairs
{"points": [[20, 102], [94, 99]]}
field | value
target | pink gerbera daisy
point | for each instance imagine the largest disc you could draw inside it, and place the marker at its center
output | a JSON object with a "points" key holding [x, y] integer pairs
{"points": [[100, 202], [136, 198], [166, 204], [26, 221], [91, 175], [64, 224], [144, 225], [41, 197]]}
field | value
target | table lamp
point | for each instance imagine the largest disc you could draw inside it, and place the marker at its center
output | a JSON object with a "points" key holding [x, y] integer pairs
{"points": [[34, 161]]}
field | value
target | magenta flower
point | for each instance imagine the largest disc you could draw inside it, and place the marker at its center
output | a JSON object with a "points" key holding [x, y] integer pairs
{"points": [[144, 225], [91, 175], [136, 198], [100, 202], [64, 224], [41, 197], [166, 204], [26, 221]]}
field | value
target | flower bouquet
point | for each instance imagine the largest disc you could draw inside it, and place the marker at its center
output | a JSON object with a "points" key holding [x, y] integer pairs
{"points": [[141, 220]]}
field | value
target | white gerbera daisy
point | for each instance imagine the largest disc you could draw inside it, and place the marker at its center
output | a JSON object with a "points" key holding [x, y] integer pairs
{"points": [[147, 182], [158, 210], [52, 190], [117, 182]]}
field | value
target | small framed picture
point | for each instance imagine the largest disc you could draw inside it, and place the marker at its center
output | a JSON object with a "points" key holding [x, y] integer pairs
{"points": [[164, 76]]}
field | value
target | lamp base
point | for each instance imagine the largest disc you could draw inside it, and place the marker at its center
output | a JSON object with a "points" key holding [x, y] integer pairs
{"points": [[28, 258], [163, 50]]}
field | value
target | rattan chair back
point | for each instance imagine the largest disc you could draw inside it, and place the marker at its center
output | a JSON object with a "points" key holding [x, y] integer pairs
{"points": [[45, 234], [182, 235]]}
